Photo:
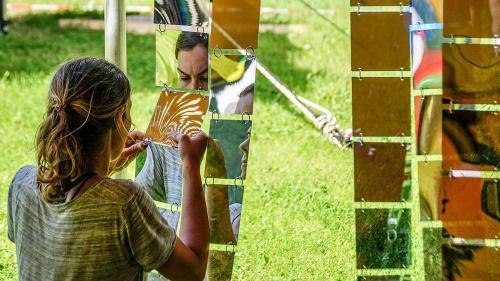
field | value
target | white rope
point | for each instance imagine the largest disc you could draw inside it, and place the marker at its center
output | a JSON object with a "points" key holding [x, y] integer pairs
{"points": [[285, 91], [325, 121]]}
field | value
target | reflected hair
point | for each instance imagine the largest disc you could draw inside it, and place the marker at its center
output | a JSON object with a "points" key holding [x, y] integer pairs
{"points": [[248, 90], [189, 40], [84, 99]]}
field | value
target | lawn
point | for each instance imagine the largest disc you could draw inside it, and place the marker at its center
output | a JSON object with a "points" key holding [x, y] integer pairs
{"points": [[298, 219]]}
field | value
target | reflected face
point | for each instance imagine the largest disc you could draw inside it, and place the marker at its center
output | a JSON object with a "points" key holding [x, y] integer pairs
{"points": [[244, 160], [193, 68], [245, 104]]}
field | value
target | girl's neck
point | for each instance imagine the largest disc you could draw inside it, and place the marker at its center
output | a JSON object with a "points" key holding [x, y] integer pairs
{"points": [[100, 161]]}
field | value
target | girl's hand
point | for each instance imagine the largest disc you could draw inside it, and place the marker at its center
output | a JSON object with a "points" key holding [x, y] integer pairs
{"points": [[130, 151], [192, 148]]}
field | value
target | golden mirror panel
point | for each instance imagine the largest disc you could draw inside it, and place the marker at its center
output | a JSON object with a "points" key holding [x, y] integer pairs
{"points": [[468, 207], [470, 73], [381, 107], [471, 18], [224, 205], [380, 41], [176, 112], [235, 24], [471, 140], [380, 2], [381, 172]]}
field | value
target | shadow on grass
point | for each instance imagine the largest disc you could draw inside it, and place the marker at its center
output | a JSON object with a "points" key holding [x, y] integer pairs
{"points": [[276, 52]]}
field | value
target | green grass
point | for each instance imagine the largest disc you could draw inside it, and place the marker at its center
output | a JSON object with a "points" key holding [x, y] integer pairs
{"points": [[80, 2], [322, 4], [298, 219]]}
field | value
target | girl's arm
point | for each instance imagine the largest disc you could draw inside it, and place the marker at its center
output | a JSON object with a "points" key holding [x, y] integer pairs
{"points": [[188, 260]]}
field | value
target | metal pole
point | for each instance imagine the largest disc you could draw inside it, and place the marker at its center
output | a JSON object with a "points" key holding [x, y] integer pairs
{"points": [[116, 33], [3, 17], [115, 42]]}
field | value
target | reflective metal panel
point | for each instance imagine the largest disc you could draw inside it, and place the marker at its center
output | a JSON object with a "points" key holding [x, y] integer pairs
{"points": [[427, 61], [383, 238], [470, 73], [381, 172], [381, 106], [432, 254], [380, 41], [220, 265], [469, 207], [380, 2], [429, 124], [235, 24], [182, 59], [171, 216], [227, 152], [181, 12], [224, 205], [233, 83], [470, 263], [429, 182], [471, 140], [383, 278], [472, 18], [176, 112], [161, 173]]}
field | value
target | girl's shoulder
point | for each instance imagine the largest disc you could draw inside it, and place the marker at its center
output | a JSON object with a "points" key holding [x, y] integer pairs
{"points": [[119, 190], [26, 173], [24, 180], [24, 184]]}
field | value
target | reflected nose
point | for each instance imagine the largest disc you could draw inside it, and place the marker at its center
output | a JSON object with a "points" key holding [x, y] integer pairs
{"points": [[244, 145], [195, 84], [198, 84]]}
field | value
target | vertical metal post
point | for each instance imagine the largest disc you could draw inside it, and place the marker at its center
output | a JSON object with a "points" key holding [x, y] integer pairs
{"points": [[116, 33], [115, 42], [3, 17]]}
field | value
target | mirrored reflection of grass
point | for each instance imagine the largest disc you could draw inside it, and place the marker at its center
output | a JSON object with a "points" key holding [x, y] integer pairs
{"points": [[166, 62], [432, 253], [383, 238], [298, 219]]}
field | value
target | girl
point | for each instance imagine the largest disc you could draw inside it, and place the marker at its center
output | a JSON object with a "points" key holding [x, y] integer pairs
{"points": [[70, 221]]}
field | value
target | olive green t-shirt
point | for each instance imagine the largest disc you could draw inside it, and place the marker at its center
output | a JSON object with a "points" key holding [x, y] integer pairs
{"points": [[113, 231]]}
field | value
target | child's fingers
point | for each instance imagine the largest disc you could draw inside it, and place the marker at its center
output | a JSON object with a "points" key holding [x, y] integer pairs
{"points": [[134, 149], [137, 135]]}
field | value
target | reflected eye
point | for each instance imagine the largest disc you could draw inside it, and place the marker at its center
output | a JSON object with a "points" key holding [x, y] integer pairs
{"points": [[185, 78]]}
